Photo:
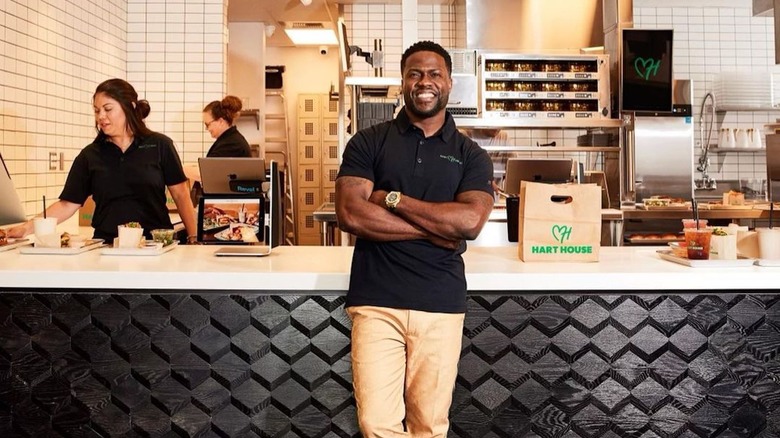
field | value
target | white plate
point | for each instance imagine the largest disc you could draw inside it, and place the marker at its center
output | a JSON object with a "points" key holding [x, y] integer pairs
{"points": [[88, 246], [768, 262], [15, 244], [151, 250], [739, 262]]}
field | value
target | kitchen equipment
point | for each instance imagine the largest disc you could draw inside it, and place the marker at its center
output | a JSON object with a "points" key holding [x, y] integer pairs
{"points": [[663, 149], [545, 86], [464, 96], [704, 161]]}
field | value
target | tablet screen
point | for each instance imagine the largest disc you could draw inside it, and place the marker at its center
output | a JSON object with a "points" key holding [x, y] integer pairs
{"points": [[231, 220]]}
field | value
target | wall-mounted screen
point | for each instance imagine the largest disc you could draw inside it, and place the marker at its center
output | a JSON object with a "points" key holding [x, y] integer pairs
{"points": [[345, 52], [646, 75]]}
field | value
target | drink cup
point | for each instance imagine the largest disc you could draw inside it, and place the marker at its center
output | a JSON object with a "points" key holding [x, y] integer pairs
{"points": [[46, 232], [769, 243], [723, 247], [691, 223], [129, 237], [698, 240], [734, 228]]}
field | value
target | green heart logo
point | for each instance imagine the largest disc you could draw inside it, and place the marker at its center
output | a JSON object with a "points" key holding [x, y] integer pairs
{"points": [[561, 233], [645, 67]]}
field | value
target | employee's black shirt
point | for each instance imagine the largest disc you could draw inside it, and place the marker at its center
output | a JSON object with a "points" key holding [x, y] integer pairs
{"points": [[126, 187], [395, 155], [230, 144]]}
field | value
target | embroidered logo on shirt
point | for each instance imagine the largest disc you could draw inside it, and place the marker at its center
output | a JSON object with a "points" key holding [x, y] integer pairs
{"points": [[451, 159], [147, 146]]}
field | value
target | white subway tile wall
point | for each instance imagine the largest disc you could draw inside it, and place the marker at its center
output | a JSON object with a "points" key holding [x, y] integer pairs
{"points": [[369, 22], [52, 55], [177, 57], [709, 40]]}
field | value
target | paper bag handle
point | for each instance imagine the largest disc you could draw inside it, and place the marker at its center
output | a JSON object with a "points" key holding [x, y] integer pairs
{"points": [[561, 199]]}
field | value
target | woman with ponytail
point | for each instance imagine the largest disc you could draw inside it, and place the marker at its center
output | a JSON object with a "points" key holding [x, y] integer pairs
{"points": [[126, 170]]}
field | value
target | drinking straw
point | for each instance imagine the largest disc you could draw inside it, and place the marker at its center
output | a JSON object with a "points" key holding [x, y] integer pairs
{"points": [[695, 207], [44, 206]]}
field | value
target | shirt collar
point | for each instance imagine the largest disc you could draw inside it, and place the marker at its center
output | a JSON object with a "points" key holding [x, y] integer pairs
{"points": [[228, 131], [106, 142], [446, 132]]}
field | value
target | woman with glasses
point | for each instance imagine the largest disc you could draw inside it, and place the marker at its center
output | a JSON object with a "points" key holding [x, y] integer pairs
{"points": [[218, 117]]}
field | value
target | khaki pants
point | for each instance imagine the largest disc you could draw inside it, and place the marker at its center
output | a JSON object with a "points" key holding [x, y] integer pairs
{"points": [[404, 365]]}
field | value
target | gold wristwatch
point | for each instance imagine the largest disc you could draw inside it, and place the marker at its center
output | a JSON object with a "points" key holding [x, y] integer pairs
{"points": [[392, 199]]}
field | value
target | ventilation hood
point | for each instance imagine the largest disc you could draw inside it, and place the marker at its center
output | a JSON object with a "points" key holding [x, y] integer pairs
{"points": [[531, 25]]}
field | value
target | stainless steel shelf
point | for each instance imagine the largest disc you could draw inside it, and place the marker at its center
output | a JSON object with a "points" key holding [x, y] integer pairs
{"points": [[552, 148], [747, 108], [476, 122], [717, 150]]}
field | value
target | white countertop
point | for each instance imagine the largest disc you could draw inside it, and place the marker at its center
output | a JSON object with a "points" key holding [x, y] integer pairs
{"points": [[305, 268]]}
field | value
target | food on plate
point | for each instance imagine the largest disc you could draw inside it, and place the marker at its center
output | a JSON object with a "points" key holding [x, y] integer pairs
{"points": [[657, 202], [164, 236], [65, 240], [733, 197], [239, 233], [719, 232], [669, 236], [132, 225], [3, 237]]}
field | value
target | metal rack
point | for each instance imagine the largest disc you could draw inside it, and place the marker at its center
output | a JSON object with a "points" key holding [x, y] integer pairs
{"points": [[278, 144]]}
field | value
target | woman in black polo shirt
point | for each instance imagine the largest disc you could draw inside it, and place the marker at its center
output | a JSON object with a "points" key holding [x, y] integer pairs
{"points": [[218, 117], [125, 169]]}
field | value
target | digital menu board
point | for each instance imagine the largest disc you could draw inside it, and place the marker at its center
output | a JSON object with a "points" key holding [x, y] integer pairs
{"points": [[646, 76]]}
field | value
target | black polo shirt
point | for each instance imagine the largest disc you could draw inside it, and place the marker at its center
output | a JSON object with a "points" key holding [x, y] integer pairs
{"points": [[395, 155], [230, 144], [125, 187]]}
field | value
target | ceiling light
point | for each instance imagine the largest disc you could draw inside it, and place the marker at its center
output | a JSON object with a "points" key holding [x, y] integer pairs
{"points": [[311, 33], [306, 2]]}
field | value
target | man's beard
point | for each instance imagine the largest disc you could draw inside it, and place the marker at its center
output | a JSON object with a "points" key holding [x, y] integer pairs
{"points": [[441, 103]]}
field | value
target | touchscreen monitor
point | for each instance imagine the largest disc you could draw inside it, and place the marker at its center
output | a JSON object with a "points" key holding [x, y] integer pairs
{"points": [[231, 219], [543, 170], [220, 175]]}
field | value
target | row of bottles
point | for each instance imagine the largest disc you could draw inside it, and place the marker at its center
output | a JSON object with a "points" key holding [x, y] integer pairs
{"points": [[731, 138]]}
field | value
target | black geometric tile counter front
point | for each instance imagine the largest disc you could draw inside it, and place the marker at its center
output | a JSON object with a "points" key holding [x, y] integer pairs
{"points": [[211, 365]]}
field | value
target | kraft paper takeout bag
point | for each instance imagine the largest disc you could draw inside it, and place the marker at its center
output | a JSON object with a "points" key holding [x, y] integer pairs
{"points": [[559, 222]]}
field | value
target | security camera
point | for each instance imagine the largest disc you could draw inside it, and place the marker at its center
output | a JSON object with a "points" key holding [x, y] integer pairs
{"points": [[323, 50]]}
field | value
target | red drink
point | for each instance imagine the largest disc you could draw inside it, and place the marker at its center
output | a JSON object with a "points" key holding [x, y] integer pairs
{"points": [[698, 240]]}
